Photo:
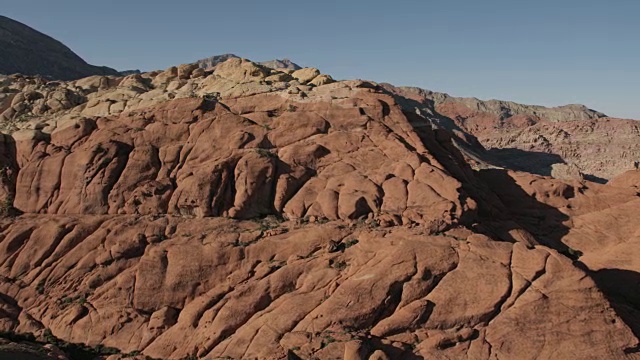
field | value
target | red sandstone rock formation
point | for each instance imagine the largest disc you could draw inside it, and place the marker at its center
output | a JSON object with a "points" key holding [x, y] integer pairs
{"points": [[222, 214]]}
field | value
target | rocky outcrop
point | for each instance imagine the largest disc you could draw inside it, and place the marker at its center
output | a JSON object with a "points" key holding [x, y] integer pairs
{"points": [[36, 103], [200, 158], [568, 141], [29, 52], [284, 64]]}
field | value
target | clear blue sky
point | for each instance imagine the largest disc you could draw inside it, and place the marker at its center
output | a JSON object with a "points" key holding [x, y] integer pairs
{"points": [[537, 51]]}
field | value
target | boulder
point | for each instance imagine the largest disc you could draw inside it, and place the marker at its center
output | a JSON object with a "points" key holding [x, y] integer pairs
{"points": [[322, 80], [305, 75]]}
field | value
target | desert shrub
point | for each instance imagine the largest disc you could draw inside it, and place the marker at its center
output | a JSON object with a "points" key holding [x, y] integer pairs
{"points": [[340, 265], [212, 96], [40, 286], [350, 243], [265, 153], [78, 351], [6, 208], [24, 117], [573, 254]]}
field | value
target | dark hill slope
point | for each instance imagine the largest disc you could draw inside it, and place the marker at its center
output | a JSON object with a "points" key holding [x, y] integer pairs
{"points": [[30, 52]]}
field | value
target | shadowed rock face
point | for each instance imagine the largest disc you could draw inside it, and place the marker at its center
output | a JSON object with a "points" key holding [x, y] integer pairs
{"points": [[29, 52], [246, 212]]}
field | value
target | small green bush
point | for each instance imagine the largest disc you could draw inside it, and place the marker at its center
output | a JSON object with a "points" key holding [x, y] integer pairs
{"points": [[40, 287], [340, 265], [6, 207], [350, 243], [265, 153], [573, 254], [212, 96], [25, 117]]}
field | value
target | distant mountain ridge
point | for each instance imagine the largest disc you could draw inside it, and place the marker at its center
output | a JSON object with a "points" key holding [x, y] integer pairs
{"points": [[501, 108], [281, 64], [30, 52], [215, 60], [273, 64]]}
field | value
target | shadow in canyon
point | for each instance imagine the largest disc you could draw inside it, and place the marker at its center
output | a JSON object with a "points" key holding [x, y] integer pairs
{"points": [[546, 223], [595, 179], [622, 289], [533, 162], [520, 210]]}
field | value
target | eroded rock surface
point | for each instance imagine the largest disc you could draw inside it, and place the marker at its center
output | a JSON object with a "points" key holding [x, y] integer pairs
{"points": [[333, 160], [217, 287]]}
